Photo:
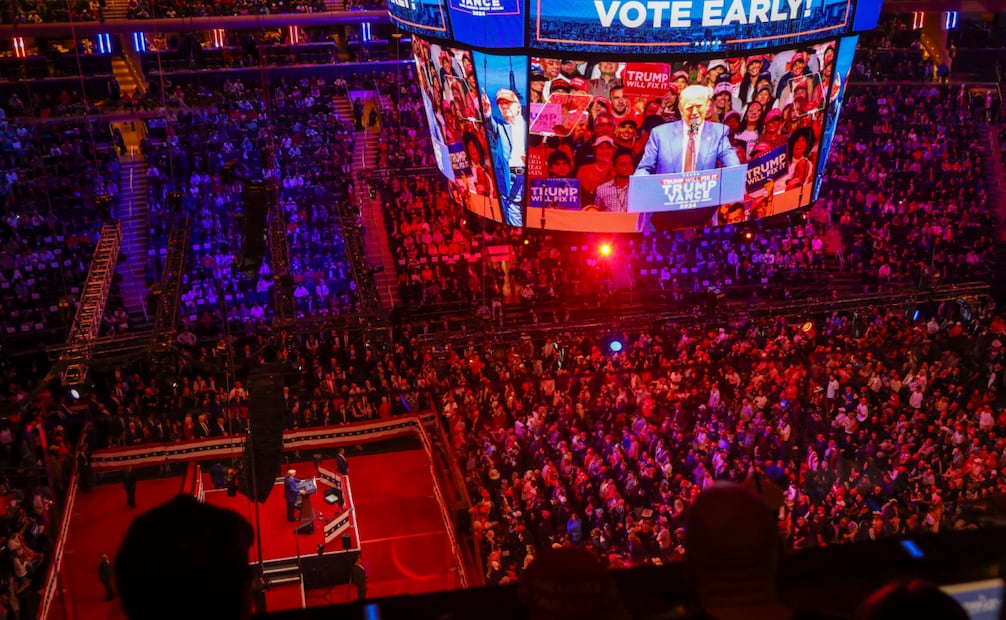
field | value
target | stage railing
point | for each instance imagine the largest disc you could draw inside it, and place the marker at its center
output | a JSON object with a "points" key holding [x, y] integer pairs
{"points": [[147, 455]]}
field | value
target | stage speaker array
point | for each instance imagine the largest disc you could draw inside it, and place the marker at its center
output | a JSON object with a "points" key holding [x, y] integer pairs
{"points": [[258, 198], [263, 453]]}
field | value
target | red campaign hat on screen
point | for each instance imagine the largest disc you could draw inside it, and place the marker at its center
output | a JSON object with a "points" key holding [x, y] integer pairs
{"points": [[797, 57], [723, 87], [732, 113], [773, 114], [560, 82], [679, 75], [578, 83], [758, 59]]}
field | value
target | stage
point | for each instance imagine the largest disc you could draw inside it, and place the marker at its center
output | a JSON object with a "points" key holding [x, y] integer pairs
{"points": [[396, 522]]}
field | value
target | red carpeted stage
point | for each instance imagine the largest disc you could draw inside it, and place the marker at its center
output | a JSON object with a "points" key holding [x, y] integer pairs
{"points": [[396, 523]]}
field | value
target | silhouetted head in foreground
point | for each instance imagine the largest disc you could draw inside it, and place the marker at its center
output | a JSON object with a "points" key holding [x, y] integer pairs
{"points": [[186, 560], [732, 544]]}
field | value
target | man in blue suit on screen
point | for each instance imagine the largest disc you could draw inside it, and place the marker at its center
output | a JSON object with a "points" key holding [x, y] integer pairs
{"points": [[691, 144]]}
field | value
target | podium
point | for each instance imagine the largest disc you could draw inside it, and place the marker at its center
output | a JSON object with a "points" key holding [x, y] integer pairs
{"points": [[309, 487], [306, 510]]}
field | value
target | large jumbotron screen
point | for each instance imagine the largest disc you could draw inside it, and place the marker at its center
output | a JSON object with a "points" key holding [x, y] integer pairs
{"points": [[569, 116]]}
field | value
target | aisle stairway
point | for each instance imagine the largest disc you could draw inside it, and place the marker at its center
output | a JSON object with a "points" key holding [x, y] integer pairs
{"points": [[375, 235], [995, 176], [115, 9], [124, 75], [133, 215]]}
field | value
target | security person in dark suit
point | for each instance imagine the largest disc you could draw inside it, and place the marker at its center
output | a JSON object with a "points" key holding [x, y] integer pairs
{"points": [[129, 483], [341, 463], [105, 575], [358, 578]]}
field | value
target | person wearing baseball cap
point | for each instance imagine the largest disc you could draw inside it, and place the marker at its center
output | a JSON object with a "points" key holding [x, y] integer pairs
{"points": [[536, 88], [669, 109], [717, 69], [772, 134], [735, 67], [579, 85], [680, 80], [558, 85], [722, 101], [509, 148], [749, 85], [797, 66], [627, 136]]}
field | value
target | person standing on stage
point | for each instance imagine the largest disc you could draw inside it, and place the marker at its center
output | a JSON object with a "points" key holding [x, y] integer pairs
{"points": [[105, 575], [129, 483], [341, 463], [358, 578], [291, 492]]}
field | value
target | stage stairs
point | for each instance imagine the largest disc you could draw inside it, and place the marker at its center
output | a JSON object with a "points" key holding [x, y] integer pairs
{"points": [[283, 571]]}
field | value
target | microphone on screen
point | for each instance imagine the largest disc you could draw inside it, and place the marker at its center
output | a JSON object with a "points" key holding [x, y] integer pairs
{"points": [[693, 126]]}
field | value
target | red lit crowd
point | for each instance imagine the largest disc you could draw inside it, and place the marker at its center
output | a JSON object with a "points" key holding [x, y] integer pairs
{"points": [[869, 425]]}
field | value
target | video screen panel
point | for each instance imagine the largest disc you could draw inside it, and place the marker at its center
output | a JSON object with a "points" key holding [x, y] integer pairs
{"points": [[867, 14], [488, 23], [503, 80], [842, 60], [454, 110], [607, 144], [426, 17], [683, 26]]}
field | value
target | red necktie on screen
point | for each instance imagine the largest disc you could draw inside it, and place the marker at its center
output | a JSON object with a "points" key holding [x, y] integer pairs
{"points": [[690, 153]]}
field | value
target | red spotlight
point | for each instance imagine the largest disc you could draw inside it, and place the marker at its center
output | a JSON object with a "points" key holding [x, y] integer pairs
{"points": [[605, 249]]}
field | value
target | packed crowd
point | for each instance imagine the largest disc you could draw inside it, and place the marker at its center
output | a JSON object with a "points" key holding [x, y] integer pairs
{"points": [[906, 187], [38, 11], [214, 153], [870, 425], [51, 173]]}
